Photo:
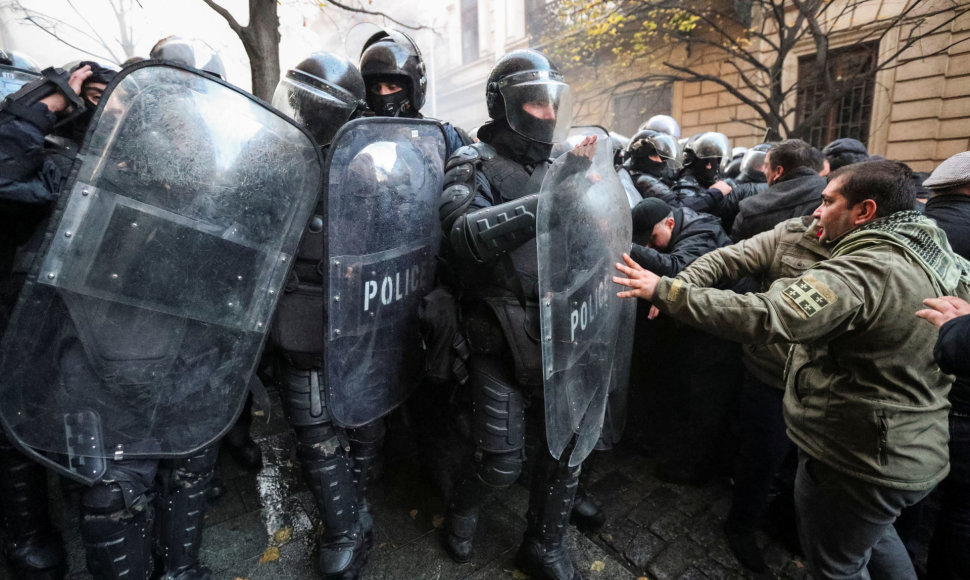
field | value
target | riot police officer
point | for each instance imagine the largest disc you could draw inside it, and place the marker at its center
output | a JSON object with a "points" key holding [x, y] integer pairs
{"points": [[32, 545], [396, 81], [528, 102], [323, 92], [702, 162], [649, 156]]}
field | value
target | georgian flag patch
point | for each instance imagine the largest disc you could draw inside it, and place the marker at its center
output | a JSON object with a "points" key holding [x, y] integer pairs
{"points": [[809, 296]]}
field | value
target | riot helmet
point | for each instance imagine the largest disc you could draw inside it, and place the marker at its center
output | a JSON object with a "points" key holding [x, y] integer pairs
{"points": [[392, 57], [190, 52], [752, 164], [648, 143], [703, 149], [662, 124], [709, 146], [322, 92], [527, 90], [22, 61]]}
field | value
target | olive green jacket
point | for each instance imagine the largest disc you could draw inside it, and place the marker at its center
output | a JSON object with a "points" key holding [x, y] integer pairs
{"points": [[863, 394], [785, 251]]}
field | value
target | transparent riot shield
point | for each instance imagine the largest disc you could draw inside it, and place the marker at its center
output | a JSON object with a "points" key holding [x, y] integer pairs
{"points": [[384, 181], [583, 228], [140, 325], [13, 79]]}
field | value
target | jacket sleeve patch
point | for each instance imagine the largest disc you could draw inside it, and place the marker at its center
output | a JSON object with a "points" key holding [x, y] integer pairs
{"points": [[675, 289], [809, 296]]}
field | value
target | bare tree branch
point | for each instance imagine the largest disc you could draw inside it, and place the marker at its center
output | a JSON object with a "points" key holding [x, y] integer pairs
{"points": [[235, 26], [343, 6]]}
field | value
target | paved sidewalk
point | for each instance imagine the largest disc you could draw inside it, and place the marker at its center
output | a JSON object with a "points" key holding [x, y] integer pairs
{"points": [[264, 527]]}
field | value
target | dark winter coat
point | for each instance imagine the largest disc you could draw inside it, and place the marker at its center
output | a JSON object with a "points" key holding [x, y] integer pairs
{"points": [[694, 235], [952, 214], [796, 194]]}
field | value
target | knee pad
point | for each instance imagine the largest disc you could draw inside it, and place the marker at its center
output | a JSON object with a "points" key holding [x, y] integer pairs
{"points": [[112, 498], [318, 443], [500, 469], [189, 472]]}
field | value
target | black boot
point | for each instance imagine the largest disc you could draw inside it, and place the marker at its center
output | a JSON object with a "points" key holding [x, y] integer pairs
{"points": [[461, 519], [180, 515], [587, 514], [33, 547], [542, 554], [343, 548]]}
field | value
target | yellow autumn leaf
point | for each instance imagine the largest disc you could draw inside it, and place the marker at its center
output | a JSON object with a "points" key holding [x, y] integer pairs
{"points": [[438, 521], [271, 554], [597, 566], [519, 575], [413, 514], [282, 535]]}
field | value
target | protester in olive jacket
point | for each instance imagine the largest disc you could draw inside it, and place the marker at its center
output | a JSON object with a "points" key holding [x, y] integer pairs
{"points": [[864, 400], [795, 189], [786, 251]]}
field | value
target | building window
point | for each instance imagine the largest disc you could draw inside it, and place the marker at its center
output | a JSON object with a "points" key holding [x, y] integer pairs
{"points": [[469, 31], [851, 68], [631, 109]]}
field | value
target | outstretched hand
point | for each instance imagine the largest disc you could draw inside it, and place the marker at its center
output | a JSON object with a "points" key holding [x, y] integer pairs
{"points": [[943, 309], [586, 148], [643, 282]]}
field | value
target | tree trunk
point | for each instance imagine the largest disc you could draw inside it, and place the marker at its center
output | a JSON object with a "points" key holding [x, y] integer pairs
{"points": [[261, 38]]}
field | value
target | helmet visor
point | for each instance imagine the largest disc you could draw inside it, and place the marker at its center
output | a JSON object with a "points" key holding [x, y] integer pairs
{"points": [[319, 107], [711, 146], [540, 110]]}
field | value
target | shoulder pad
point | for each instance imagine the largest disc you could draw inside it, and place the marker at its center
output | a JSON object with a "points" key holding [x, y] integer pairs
{"points": [[453, 203], [799, 224], [461, 173], [470, 154]]}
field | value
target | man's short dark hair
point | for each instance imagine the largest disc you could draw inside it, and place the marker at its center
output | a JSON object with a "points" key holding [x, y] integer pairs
{"points": [[887, 183], [794, 153]]}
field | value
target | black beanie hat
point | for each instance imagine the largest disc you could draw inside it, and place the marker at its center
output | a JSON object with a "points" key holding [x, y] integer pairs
{"points": [[845, 151], [647, 214]]}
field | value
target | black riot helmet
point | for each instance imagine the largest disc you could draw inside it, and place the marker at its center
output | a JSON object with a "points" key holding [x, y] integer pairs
{"points": [[752, 164], [647, 143], [190, 52], [663, 124], [709, 146], [322, 93], [390, 56], [703, 149], [523, 83]]}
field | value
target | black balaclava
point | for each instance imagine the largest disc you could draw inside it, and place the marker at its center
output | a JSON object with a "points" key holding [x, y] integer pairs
{"points": [[698, 168], [510, 144], [640, 161], [393, 105]]}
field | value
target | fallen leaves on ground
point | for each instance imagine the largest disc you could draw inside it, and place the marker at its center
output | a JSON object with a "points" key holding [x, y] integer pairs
{"points": [[271, 554]]}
